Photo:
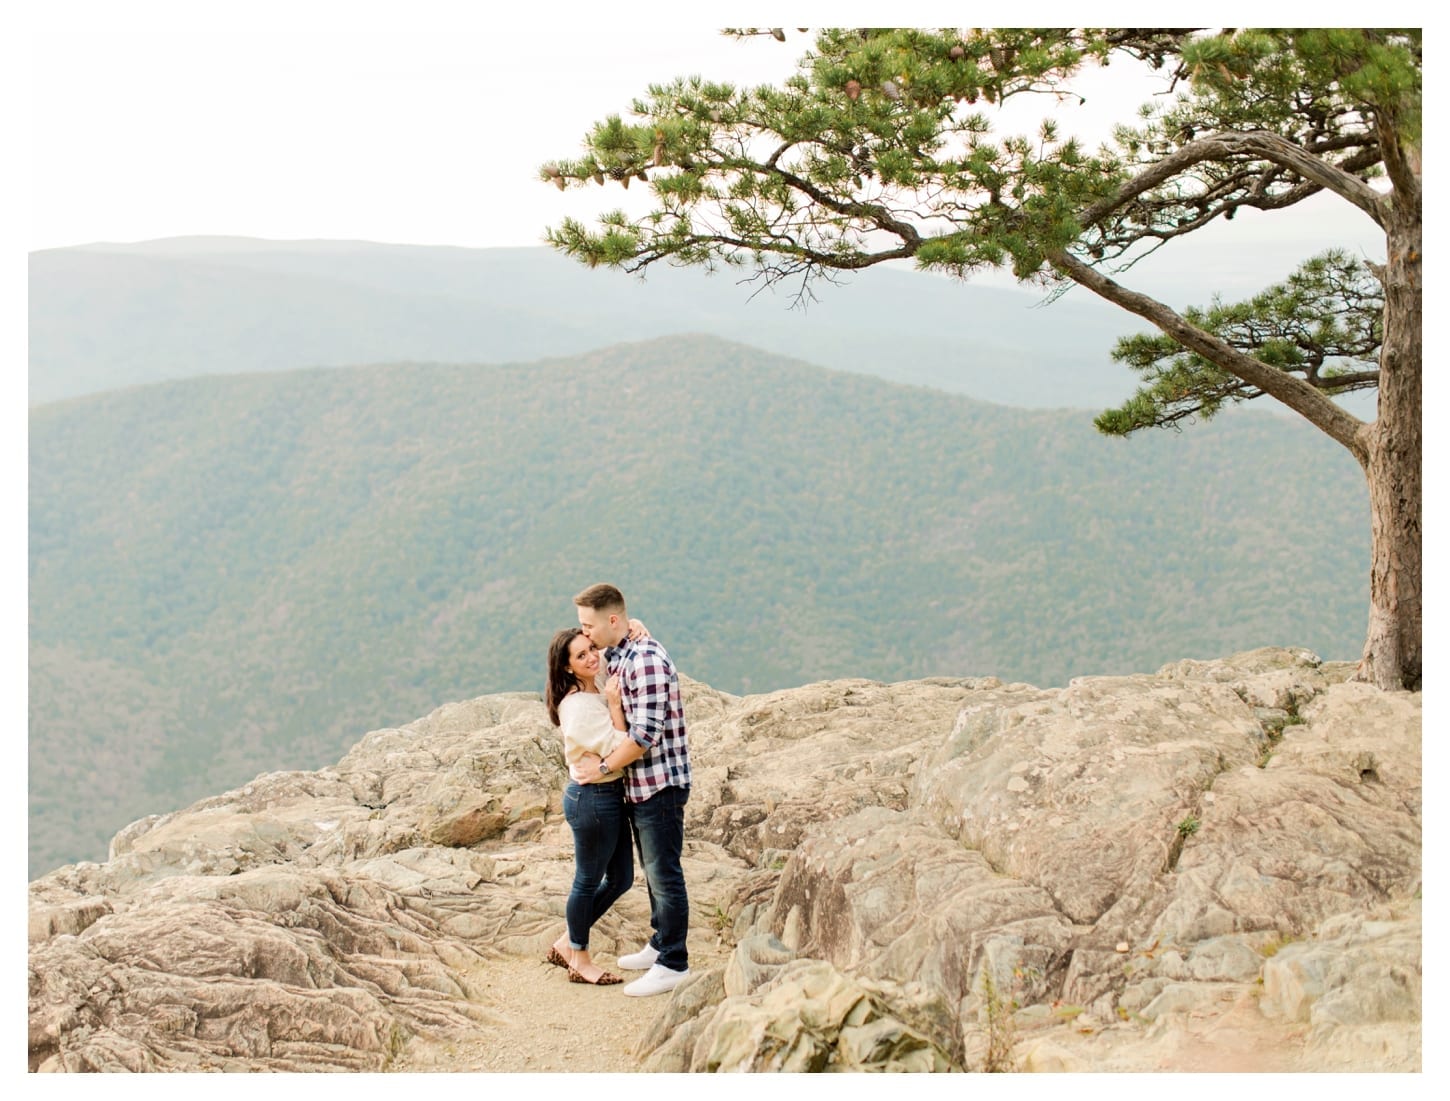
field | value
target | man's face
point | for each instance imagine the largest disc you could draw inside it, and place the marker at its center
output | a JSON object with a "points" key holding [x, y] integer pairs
{"points": [[602, 628]]}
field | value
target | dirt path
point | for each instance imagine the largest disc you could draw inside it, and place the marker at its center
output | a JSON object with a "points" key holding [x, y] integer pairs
{"points": [[548, 1024]]}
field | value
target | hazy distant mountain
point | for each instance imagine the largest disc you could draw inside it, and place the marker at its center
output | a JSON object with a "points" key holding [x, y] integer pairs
{"points": [[108, 316], [230, 575]]}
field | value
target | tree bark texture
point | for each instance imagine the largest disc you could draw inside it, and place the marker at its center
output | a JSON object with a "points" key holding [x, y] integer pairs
{"points": [[1393, 449]]}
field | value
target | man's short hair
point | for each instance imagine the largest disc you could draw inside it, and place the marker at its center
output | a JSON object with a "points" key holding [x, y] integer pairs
{"points": [[602, 598]]}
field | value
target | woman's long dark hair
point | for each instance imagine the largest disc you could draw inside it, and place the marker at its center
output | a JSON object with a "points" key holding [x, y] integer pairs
{"points": [[559, 681]]}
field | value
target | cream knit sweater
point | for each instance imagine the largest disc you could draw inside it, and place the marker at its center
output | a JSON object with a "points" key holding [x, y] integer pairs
{"points": [[588, 728]]}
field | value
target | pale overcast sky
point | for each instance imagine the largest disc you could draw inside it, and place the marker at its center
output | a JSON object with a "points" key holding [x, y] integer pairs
{"points": [[419, 136], [420, 123]]}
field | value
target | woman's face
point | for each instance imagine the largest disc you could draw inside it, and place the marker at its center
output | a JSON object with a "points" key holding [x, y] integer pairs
{"points": [[583, 659]]}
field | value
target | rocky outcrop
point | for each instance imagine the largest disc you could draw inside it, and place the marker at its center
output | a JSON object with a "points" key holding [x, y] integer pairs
{"points": [[215, 936], [934, 875]]}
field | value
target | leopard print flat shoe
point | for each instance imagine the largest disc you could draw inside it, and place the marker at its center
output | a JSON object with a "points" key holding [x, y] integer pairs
{"points": [[605, 979]]}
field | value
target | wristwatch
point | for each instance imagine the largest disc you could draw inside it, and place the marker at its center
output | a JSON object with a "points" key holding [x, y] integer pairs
{"points": [[603, 767]]}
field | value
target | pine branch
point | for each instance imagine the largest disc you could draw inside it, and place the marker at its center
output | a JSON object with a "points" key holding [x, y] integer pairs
{"points": [[1299, 395]]}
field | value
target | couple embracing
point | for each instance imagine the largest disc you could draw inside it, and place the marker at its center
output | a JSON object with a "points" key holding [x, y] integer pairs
{"points": [[613, 692]]}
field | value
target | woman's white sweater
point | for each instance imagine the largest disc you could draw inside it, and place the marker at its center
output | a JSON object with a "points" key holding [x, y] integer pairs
{"points": [[587, 726]]}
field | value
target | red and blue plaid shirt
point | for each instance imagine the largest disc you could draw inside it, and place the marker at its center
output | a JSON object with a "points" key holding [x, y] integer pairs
{"points": [[651, 693]]}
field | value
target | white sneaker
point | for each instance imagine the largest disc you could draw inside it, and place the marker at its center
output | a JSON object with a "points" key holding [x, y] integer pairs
{"points": [[642, 960], [657, 980]]}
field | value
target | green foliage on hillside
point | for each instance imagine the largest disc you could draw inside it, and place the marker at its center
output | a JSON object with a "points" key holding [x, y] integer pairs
{"points": [[242, 574]]}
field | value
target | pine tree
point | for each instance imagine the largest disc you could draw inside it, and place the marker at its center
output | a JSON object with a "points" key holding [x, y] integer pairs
{"points": [[880, 147]]}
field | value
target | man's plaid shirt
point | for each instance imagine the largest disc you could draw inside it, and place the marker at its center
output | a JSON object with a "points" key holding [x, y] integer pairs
{"points": [[651, 693]]}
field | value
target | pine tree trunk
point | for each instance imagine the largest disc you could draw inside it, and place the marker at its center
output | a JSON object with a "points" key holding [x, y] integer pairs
{"points": [[1392, 649]]}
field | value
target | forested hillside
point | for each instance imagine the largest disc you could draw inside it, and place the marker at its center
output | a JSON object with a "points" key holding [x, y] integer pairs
{"points": [[231, 575]]}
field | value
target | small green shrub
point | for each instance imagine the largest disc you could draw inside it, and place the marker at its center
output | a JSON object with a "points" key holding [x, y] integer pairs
{"points": [[1001, 1031]]}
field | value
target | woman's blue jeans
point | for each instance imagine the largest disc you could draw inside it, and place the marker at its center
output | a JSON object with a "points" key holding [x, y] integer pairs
{"points": [[603, 859]]}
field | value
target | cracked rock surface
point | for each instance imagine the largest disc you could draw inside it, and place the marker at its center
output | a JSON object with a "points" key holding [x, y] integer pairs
{"points": [[1216, 866]]}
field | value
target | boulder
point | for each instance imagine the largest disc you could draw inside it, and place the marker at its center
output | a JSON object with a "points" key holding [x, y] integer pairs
{"points": [[812, 1017]]}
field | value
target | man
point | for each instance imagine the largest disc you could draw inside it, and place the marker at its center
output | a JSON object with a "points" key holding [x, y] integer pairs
{"points": [[656, 757]]}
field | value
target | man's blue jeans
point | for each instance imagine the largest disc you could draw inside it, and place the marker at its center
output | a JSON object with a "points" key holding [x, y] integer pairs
{"points": [[603, 860], [659, 823]]}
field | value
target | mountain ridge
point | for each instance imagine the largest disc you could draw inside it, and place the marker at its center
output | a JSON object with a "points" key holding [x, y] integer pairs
{"points": [[242, 572], [104, 316]]}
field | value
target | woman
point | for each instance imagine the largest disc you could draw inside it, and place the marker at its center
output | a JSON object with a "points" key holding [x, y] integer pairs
{"points": [[591, 721]]}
